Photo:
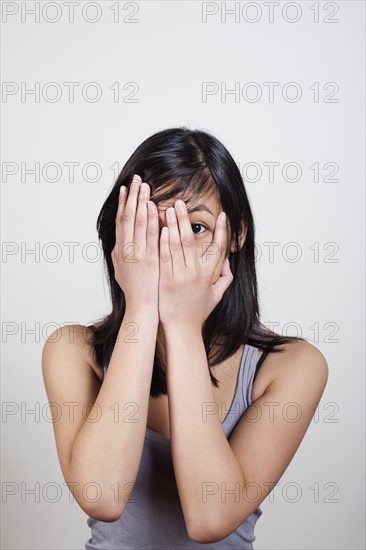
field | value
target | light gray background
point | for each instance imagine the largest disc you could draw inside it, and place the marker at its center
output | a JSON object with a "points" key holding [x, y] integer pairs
{"points": [[169, 52]]}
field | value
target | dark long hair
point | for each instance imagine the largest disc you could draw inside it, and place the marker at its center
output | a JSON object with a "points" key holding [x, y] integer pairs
{"points": [[180, 160]]}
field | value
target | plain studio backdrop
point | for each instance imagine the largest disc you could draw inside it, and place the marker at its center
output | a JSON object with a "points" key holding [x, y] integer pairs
{"points": [[282, 86]]}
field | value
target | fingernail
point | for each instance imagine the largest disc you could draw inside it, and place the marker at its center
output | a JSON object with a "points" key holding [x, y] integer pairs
{"points": [[144, 188], [171, 213], [136, 178], [223, 216], [180, 206]]}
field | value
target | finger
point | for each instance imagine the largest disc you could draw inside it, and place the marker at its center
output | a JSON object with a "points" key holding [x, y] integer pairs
{"points": [[186, 235], [224, 281], [176, 250], [139, 236], [129, 212], [165, 260], [152, 240], [119, 233], [215, 252]]}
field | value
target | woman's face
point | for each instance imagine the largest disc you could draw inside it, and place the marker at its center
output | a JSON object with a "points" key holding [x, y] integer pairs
{"points": [[202, 213]]}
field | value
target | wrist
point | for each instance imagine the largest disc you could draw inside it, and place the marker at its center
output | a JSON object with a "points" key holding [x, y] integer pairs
{"points": [[174, 330], [142, 311]]}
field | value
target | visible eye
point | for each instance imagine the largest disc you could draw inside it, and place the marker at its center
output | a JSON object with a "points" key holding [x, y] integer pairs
{"points": [[197, 225]]}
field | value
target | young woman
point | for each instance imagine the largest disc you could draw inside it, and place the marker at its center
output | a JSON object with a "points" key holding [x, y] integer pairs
{"points": [[176, 436]]}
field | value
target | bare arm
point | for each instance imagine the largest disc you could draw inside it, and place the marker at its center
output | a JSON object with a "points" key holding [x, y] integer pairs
{"points": [[221, 483], [109, 451], [100, 446], [100, 437], [206, 464]]}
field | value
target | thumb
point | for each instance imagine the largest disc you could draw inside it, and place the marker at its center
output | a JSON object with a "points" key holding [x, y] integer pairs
{"points": [[224, 281]]}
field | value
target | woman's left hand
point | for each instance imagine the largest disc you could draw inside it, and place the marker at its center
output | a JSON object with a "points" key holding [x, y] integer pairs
{"points": [[190, 286]]}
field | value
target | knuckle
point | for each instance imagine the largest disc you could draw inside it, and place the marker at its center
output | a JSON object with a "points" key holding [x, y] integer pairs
{"points": [[188, 241], [139, 220], [127, 215], [170, 285], [165, 257], [180, 282], [116, 253], [152, 231], [176, 247], [194, 276]]}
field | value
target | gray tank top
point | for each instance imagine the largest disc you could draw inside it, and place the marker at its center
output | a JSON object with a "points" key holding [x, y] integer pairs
{"points": [[153, 517]]}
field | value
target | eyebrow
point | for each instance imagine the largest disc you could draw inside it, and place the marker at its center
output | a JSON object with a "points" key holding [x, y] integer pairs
{"points": [[197, 208]]}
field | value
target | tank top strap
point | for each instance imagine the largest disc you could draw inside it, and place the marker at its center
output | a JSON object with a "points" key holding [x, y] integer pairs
{"points": [[248, 375], [242, 396]]}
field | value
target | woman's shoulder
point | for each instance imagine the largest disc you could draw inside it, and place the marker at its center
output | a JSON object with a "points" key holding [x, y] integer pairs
{"points": [[77, 338], [297, 359], [302, 354]]}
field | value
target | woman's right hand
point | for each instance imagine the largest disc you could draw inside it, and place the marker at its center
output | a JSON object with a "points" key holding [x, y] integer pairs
{"points": [[136, 253]]}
